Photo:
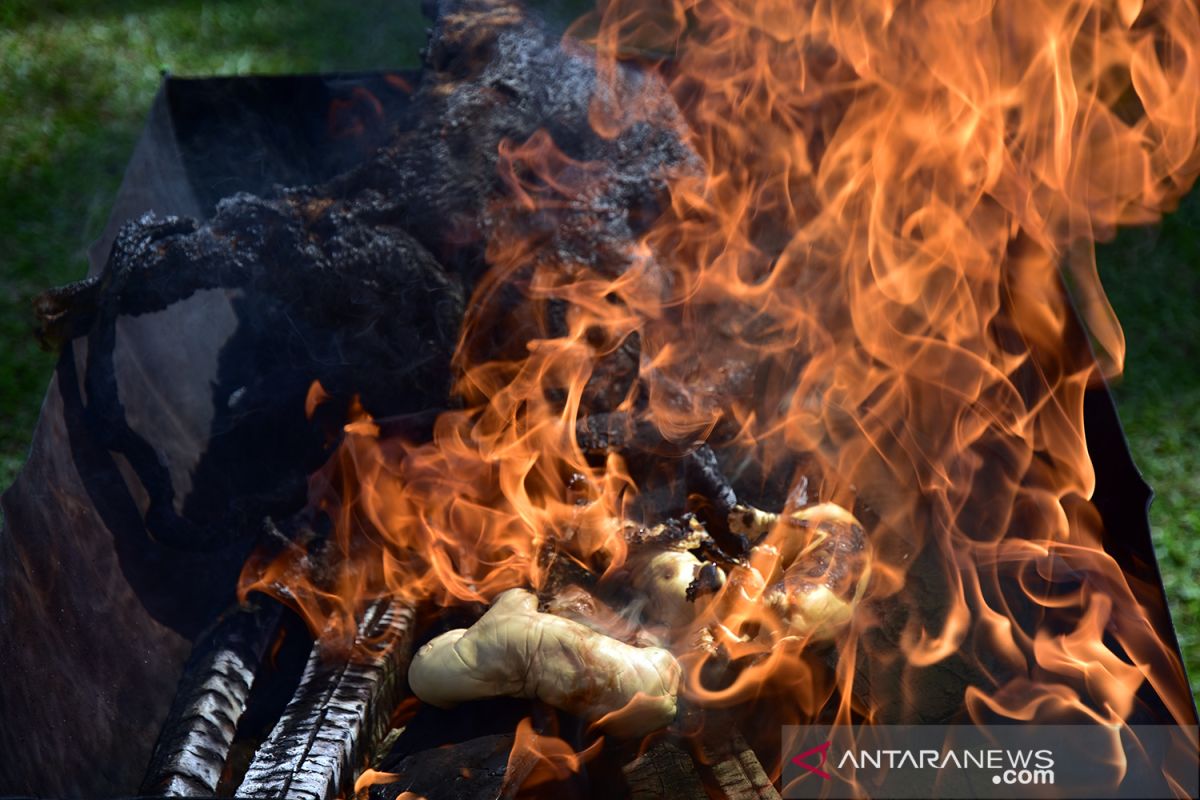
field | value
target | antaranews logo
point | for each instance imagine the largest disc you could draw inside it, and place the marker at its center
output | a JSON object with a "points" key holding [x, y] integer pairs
{"points": [[1011, 767], [821, 751], [968, 761]]}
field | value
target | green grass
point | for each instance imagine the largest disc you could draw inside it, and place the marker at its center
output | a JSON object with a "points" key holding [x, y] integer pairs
{"points": [[76, 78]]}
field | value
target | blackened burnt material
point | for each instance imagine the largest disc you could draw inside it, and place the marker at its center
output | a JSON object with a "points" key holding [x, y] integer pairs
{"points": [[91, 613], [477, 769], [339, 711], [503, 155], [216, 683], [664, 770], [501, 93], [177, 417], [323, 292], [336, 283]]}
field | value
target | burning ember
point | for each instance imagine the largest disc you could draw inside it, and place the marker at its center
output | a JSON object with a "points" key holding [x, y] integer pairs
{"points": [[741, 385]]}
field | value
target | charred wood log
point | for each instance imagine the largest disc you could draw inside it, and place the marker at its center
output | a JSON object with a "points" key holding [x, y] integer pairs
{"points": [[705, 474], [338, 712], [212, 695], [477, 769], [664, 772], [735, 767]]}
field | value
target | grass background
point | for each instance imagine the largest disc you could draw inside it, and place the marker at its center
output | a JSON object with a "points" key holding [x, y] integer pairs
{"points": [[76, 79]]}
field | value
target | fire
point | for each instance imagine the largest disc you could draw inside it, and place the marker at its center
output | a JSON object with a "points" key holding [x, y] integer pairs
{"points": [[544, 759], [860, 282]]}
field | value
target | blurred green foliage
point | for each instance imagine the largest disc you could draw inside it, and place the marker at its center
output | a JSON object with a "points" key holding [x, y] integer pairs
{"points": [[76, 78]]}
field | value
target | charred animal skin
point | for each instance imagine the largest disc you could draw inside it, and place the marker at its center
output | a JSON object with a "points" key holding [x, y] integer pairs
{"points": [[322, 294], [348, 261]]}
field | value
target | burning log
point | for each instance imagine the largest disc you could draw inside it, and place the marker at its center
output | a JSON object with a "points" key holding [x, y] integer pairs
{"points": [[338, 712], [212, 695], [515, 651], [664, 771], [735, 766], [477, 769], [704, 472]]}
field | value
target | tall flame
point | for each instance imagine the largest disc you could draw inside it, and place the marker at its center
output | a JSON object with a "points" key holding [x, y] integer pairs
{"points": [[864, 284]]}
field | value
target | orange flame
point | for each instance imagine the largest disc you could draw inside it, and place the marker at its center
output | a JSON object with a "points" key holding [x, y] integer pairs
{"points": [[864, 285], [542, 759]]}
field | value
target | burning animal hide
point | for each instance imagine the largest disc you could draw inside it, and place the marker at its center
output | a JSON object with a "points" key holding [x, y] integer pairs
{"points": [[809, 569], [323, 292], [333, 283], [815, 564]]}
